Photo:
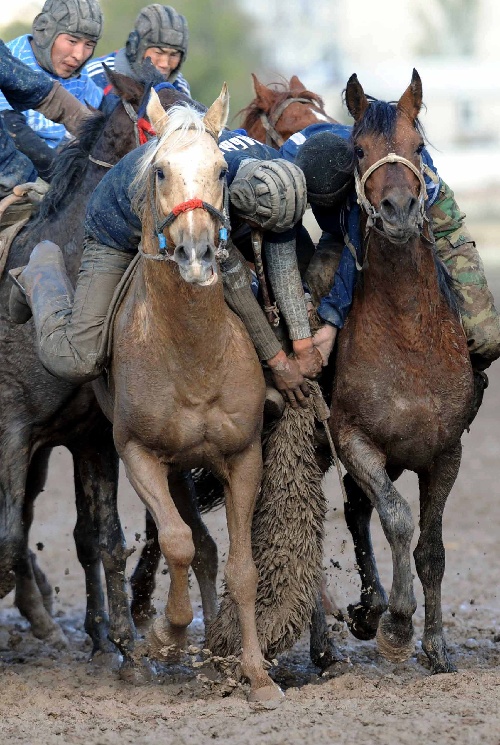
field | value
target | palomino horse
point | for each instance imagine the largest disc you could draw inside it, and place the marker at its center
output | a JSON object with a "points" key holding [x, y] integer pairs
{"points": [[403, 387], [275, 114], [185, 385]]}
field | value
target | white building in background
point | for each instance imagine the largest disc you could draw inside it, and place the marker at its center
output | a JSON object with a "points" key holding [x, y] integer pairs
{"points": [[325, 41]]}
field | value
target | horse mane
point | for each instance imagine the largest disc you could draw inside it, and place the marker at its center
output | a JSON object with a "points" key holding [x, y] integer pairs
{"points": [[251, 113], [184, 127], [380, 119], [70, 166]]}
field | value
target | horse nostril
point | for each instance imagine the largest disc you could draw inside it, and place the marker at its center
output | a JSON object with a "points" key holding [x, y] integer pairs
{"points": [[388, 209], [208, 254], [180, 253]]}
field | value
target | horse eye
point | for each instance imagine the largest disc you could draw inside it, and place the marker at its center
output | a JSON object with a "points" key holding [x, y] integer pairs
{"points": [[359, 152], [420, 148], [222, 174], [160, 174]]}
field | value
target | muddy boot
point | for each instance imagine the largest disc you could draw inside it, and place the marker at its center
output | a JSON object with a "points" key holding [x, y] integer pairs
{"points": [[43, 281], [69, 324]]}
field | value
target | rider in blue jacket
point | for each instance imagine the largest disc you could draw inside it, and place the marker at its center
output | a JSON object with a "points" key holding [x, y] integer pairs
{"points": [[25, 88]]}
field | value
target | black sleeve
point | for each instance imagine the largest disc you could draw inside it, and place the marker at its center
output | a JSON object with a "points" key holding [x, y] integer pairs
{"points": [[23, 87], [28, 142]]}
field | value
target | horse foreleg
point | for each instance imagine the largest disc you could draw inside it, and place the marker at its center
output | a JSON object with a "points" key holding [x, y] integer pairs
{"points": [[363, 617], [143, 580], [205, 559], [244, 476], [148, 477], [435, 485], [367, 467], [322, 648]]}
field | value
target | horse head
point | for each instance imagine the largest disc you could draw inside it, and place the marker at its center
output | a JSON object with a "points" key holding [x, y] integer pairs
{"points": [[276, 113], [183, 180], [388, 143]]}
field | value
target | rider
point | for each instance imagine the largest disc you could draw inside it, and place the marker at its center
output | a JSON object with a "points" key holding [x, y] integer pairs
{"points": [[324, 155], [160, 33], [64, 35], [70, 330], [26, 89]]}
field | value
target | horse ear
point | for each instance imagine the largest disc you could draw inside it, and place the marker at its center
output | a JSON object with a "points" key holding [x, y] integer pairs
{"points": [[264, 97], [355, 98], [216, 117], [411, 100], [125, 87], [296, 85], [156, 113]]}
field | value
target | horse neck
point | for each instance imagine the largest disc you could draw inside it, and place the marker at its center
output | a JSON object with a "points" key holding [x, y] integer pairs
{"points": [[402, 277], [187, 320]]}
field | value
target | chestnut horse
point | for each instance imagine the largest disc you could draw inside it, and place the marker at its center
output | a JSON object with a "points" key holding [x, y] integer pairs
{"points": [[275, 114], [403, 387], [186, 388]]}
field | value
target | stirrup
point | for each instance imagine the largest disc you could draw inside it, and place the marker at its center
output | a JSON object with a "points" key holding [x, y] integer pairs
{"points": [[19, 307]]}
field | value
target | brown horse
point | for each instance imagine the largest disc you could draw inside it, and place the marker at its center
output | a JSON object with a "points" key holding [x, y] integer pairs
{"points": [[403, 387], [275, 114], [186, 387]]}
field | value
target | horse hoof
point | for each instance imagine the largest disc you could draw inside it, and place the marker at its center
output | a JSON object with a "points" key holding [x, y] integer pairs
{"points": [[394, 642], [102, 660], [267, 697], [362, 622], [56, 638], [165, 643], [137, 673]]}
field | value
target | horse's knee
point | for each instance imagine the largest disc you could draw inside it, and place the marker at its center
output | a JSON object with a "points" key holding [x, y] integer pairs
{"points": [[177, 545]]}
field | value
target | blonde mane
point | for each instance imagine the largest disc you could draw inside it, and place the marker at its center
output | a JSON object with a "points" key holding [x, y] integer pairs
{"points": [[185, 126]]}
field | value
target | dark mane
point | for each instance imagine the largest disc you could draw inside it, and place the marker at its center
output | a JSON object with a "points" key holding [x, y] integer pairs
{"points": [[70, 166], [252, 112]]}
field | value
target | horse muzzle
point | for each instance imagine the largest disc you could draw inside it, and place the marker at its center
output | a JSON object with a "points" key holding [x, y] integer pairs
{"points": [[401, 217], [197, 264]]}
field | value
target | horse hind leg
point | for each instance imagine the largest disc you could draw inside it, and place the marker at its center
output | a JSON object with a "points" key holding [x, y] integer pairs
{"points": [[33, 593], [429, 554], [143, 581], [363, 617]]}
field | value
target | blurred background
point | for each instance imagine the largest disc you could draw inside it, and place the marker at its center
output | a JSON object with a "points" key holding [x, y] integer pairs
{"points": [[452, 43]]}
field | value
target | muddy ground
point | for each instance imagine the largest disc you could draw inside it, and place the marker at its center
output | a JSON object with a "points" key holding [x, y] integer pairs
{"points": [[52, 697]]}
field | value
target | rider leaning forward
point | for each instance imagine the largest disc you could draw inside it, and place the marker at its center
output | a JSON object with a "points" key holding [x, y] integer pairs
{"points": [[268, 191]]}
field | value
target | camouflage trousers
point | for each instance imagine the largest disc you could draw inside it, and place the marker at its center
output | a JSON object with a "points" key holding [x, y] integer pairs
{"points": [[458, 251]]}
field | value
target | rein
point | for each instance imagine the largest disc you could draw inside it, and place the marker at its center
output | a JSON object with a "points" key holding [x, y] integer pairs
{"points": [[270, 121]]}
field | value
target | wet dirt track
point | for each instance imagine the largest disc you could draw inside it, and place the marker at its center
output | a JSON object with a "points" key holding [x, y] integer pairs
{"points": [[49, 696]]}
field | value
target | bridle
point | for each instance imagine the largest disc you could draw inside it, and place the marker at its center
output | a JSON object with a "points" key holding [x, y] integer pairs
{"points": [[371, 212], [269, 121], [222, 216], [143, 131]]}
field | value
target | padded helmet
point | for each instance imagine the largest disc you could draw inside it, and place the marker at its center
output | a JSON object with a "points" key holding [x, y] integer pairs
{"points": [[327, 162], [157, 26], [81, 18]]}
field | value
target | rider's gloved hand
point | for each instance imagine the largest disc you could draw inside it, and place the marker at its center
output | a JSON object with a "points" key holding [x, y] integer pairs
{"points": [[270, 194], [289, 380]]}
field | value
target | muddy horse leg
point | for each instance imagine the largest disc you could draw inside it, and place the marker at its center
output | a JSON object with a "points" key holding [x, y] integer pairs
{"points": [[367, 467], [96, 462], [143, 580], [29, 599], [435, 485], [244, 478], [363, 617], [322, 648]]}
